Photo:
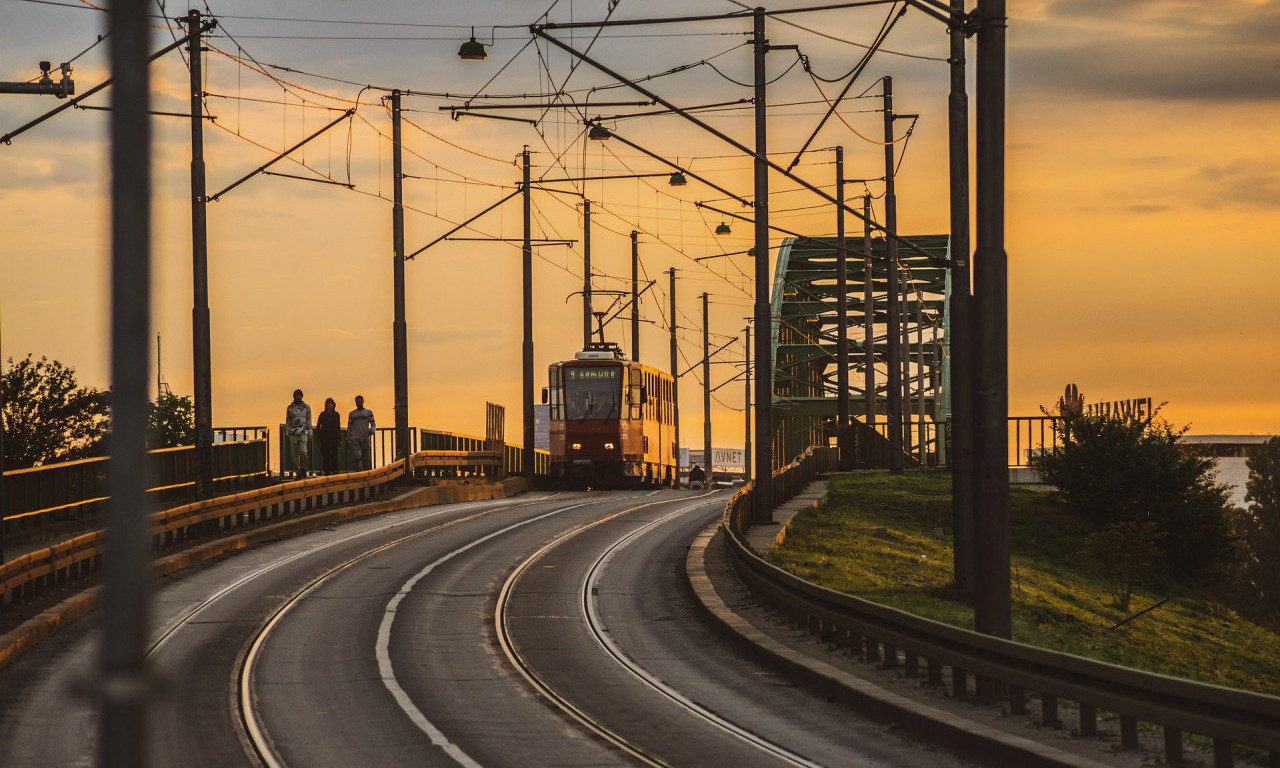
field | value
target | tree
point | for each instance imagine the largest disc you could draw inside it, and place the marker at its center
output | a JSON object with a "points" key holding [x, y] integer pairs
{"points": [[1260, 527], [1114, 469], [47, 416], [171, 421]]}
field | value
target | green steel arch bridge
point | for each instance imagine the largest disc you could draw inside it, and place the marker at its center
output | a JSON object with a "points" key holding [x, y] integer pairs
{"points": [[805, 338]]}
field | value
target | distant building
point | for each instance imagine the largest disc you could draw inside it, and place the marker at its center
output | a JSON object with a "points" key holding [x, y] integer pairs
{"points": [[1229, 453]]}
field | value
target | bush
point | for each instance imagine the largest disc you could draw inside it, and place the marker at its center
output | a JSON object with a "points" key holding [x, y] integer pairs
{"points": [[1123, 470], [1124, 554]]}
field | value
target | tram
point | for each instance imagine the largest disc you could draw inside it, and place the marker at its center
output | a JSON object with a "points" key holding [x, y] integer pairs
{"points": [[612, 421]]}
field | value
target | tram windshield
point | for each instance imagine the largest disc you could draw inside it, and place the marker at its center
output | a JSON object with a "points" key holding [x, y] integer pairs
{"points": [[592, 393]]}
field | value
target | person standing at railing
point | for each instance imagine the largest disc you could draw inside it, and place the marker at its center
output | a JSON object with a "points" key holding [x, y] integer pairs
{"points": [[328, 430], [297, 425], [360, 428]]}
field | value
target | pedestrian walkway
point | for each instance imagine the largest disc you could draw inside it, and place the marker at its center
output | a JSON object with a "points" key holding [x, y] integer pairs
{"points": [[764, 536]]}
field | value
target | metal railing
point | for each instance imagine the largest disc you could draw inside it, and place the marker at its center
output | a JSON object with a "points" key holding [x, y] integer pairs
{"points": [[384, 450], [31, 574], [76, 489], [1031, 435], [895, 638]]}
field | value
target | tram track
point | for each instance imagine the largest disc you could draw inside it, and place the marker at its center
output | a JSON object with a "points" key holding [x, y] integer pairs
{"points": [[594, 622]]}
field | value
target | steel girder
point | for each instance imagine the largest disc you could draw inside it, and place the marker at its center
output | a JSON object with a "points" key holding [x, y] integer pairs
{"points": [[805, 334]]}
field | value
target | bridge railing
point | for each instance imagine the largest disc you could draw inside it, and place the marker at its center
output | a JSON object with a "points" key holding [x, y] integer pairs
{"points": [[33, 573], [895, 638], [384, 450], [76, 489]]}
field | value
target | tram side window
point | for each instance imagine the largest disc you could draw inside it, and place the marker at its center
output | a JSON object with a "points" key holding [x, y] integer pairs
{"points": [[557, 394], [636, 380]]}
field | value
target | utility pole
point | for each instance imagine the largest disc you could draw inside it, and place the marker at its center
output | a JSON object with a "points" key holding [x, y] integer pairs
{"points": [[706, 389], [842, 323], [527, 346], [675, 377], [869, 315], [3, 509], [763, 503], [586, 272], [960, 329], [123, 686], [200, 345], [746, 402], [894, 333], [398, 330], [635, 296], [991, 612]]}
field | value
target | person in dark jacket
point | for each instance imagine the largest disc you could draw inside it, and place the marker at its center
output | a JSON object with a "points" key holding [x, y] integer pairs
{"points": [[696, 475], [328, 431]]}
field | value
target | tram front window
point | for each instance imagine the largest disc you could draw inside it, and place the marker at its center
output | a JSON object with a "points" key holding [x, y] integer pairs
{"points": [[592, 393]]}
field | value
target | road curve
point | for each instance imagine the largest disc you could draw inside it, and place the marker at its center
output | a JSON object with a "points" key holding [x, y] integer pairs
{"points": [[378, 642]]}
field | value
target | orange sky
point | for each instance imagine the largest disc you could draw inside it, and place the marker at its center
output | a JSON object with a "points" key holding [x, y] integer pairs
{"points": [[1143, 191]]}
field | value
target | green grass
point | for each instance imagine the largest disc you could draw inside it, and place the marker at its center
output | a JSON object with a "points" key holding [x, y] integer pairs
{"points": [[888, 539]]}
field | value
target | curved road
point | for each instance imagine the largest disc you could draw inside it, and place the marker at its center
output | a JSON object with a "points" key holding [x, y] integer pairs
{"points": [[539, 630]]}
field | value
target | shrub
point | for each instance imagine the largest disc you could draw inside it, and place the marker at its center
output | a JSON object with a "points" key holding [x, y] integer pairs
{"points": [[1124, 554], [1113, 469]]}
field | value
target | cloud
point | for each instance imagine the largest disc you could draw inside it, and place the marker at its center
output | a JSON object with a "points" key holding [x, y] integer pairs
{"points": [[1242, 183], [1226, 51]]}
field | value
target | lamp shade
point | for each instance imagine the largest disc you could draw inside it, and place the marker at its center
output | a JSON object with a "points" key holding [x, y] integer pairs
{"points": [[677, 179], [598, 133], [723, 229], [472, 50]]}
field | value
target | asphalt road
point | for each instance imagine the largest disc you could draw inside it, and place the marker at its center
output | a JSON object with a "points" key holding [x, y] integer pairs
{"points": [[552, 630]]}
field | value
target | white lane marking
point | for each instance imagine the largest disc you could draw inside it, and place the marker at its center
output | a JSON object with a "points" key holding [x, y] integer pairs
{"points": [[384, 642], [255, 732], [190, 612]]}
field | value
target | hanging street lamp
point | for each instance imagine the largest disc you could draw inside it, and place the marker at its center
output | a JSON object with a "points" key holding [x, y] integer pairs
{"points": [[473, 50]]}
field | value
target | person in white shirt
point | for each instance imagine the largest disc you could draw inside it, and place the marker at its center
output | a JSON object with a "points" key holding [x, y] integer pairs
{"points": [[297, 427], [360, 429]]}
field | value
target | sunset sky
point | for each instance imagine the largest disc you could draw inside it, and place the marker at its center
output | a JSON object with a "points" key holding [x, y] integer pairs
{"points": [[1143, 194]]}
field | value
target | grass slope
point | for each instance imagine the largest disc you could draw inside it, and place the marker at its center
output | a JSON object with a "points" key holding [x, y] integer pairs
{"points": [[888, 539]]}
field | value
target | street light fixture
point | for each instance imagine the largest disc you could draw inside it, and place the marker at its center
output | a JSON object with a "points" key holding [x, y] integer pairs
{"points": [[472, 50], [723, 229], [677, 179], [598, 133]]}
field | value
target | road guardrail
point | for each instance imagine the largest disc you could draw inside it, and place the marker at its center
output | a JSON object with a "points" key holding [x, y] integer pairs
{"points": [[898, 639]]}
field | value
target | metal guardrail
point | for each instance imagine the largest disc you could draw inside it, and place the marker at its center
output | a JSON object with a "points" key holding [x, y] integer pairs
{"points": [[74, 489], [29, 575], [896, 638]]}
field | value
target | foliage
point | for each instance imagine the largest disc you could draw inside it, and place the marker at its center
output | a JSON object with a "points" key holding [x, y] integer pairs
{"points": [[171, 421], [887, 538], [1124, 470], [1124, 553], [47, 416], [1260, 528]]}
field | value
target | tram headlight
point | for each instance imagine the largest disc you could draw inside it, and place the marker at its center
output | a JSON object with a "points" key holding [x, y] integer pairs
{"points": [[609, 446], [577, 446]]}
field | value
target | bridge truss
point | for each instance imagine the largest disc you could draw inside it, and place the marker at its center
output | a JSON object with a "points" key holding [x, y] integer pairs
{"points": [[805, 336]]}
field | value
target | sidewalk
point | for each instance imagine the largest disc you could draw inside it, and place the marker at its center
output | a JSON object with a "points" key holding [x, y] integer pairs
{"points": [[765, 535]]}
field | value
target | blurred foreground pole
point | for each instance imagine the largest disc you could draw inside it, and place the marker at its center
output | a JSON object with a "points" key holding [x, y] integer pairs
{"points": [[126, 625], [991, 611]]}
